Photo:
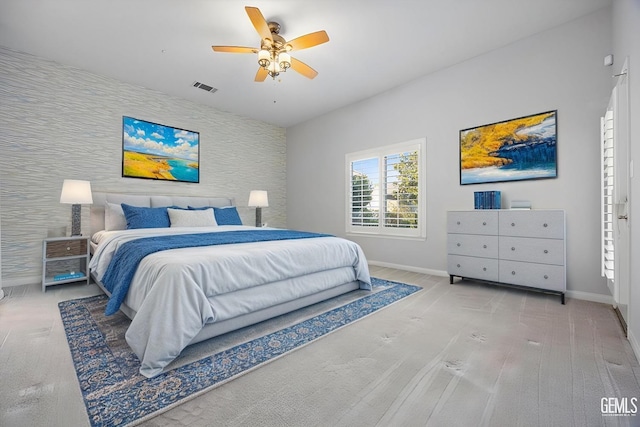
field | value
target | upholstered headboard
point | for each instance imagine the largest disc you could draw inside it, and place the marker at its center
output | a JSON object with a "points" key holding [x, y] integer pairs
{"points": [[99, 200]]}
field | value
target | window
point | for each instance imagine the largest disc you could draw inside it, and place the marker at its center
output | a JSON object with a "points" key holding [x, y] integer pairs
{"points": [[385, 190]]}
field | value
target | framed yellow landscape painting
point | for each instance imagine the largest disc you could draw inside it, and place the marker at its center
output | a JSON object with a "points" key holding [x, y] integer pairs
{"points": [[155, 151], [511, 150]]}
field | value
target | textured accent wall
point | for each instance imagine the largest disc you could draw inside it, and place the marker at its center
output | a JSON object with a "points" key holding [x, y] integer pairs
{"points": [[61, 122]]}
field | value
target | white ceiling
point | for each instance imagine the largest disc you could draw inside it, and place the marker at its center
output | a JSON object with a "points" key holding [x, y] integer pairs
{"points": [[374, 45]]}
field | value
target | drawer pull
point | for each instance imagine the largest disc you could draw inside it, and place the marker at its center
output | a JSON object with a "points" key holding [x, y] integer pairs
{"points": [[513, 224], [484, 222], [513, 273], [512, 248], [544, 225], [458, 265], [68, 248], [546, 251], [458, 222], [458, 244], [484, 246], [484, 268], [546, 277]]}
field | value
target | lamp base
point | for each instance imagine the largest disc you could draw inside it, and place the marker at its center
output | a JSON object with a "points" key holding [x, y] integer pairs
{"points": [[258, 217], [76, 218]]}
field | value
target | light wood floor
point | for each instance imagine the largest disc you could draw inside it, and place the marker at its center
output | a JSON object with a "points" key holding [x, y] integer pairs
{"points": [[467, 354]]}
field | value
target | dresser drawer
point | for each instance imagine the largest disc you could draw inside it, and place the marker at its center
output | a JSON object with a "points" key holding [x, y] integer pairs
{"points": [[471, 267], [472, 245], [541, 251], [544, 276], [528, 223], [473, 222]]}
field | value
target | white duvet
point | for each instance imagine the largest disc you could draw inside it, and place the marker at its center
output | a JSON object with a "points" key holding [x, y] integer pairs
{"points": [[178, 291]]}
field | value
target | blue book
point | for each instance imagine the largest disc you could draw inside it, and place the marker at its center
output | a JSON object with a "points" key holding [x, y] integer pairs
{"points": [[66, 276]]}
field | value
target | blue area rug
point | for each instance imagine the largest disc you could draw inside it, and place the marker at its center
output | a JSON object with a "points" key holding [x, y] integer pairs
{"points": [[115, 394]]}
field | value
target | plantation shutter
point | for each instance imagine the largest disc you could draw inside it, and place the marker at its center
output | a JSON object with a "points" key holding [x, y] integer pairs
{"points": [[401, 190], [607, 195], [365, 178]]}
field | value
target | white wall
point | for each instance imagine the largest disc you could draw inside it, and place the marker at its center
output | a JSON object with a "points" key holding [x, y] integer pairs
{"points": [[626, 42], [1, 291], [559, 69], [60, 122]]}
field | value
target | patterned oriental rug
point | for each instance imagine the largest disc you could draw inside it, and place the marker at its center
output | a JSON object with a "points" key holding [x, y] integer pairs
{"points": [[114, 392]]}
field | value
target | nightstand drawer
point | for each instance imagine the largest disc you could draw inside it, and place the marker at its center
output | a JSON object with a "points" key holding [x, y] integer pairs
{"points": [[64, 248]]}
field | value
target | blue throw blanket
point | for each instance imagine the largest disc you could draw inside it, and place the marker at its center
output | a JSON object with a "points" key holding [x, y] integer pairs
{"points": [[124, 263]]}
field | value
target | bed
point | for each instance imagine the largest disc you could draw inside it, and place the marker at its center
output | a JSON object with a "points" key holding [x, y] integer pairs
{"points": [[180, 295]]}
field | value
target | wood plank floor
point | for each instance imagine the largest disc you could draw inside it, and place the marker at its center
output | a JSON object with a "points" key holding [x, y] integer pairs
{"points": [[467, 354]]}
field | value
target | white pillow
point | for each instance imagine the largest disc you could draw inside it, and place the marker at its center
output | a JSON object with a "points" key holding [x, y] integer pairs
{"points": [[114, 217], [192, 218]]}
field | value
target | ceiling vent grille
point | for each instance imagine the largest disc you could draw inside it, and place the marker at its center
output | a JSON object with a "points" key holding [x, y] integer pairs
{"points": [[204, 87]]}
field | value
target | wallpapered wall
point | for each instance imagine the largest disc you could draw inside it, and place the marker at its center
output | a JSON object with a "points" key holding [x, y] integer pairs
{"points": [[60, 122]]}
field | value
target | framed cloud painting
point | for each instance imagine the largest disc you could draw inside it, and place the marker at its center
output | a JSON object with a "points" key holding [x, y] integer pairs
{"points": [[154, 151], [511, 150]]}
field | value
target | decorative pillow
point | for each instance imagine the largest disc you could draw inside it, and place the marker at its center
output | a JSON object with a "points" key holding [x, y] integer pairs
{"points": [[227, 216], [114, 217], [192, 218], [140, 217]]}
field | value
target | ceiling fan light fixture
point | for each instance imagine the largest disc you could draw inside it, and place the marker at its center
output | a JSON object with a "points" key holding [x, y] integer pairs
{"points": [[273, 55], [264, 58], [274, 69], [284, 59]]}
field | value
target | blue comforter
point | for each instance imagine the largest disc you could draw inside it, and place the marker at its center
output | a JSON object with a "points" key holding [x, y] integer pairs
{"points": [[124, 263]]}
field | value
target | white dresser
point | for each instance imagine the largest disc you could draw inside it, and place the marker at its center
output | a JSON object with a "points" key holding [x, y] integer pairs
{"points": [[515, 247]]}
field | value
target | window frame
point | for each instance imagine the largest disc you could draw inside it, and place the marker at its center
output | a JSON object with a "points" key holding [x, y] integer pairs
{"points": [[382, 230]]}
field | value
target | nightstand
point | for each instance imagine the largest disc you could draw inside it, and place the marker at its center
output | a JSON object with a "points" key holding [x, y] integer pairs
{"points": [[65, 260]]}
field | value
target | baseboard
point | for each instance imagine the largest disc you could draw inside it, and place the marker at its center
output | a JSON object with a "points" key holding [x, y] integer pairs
{"points": [[19, 281], [409, 268], [634, 343], [587, 296]]}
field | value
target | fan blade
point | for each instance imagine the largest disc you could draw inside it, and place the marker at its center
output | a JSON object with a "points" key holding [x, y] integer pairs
{"points": [[261, 75], [234, 49], [309, 40], [303, 68], [259, 22]]}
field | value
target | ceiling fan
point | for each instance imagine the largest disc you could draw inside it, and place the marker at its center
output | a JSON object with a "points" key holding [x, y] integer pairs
{"points": [[273, 54]]}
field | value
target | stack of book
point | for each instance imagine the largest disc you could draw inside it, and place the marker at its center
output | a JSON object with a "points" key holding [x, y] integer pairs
{"points": [[487, 200], [66, 276]]}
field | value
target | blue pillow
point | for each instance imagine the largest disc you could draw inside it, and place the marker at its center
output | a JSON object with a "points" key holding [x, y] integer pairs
{"points": [[141, 217], [227, 216]]}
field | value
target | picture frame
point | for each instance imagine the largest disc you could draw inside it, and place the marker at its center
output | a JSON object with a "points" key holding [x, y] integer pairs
{"points": [[517, 149], [154, 151]]}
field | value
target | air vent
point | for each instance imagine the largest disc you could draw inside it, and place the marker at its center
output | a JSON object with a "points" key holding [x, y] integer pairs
{"points": [[204, 87]]}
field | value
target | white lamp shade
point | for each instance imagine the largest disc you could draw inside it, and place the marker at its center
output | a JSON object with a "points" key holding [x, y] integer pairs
{"points": [[264, 58], [284, 60], [76, 192], [258, 198]]}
